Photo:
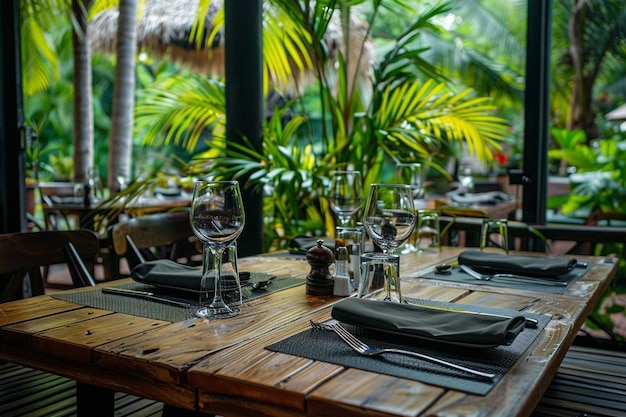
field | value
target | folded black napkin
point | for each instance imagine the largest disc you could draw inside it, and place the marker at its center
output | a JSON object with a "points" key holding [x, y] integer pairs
{"points": [[497, 263], [479, 330], [488, 198], [301, 244], [170, 274]]}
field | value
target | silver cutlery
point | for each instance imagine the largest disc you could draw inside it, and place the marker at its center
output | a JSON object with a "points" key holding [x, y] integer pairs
{"points": [[362, 348], [147, 295], [511, 278]]}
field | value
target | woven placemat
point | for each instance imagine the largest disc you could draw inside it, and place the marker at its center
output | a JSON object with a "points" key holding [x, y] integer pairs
{"points": [[161, 311], [457, 275], [326, 346]]}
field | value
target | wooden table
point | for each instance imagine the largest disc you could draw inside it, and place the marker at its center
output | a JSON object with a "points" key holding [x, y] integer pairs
{"points": [[221, 366], [86, 215]]}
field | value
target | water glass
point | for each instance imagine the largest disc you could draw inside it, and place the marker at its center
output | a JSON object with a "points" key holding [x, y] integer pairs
{"points": [[494, 233], [229, 282], [465, 175], [380, 271], [428, 231]]}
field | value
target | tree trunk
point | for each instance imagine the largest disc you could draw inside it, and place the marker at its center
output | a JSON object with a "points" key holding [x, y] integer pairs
{"points": [[83, 93], [582, 115], [121, 139]]}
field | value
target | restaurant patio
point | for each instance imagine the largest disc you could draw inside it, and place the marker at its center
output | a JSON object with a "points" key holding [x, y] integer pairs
{"points": [[245, 126]]}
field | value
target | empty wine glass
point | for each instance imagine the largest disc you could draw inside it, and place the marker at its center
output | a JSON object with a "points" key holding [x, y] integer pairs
{"points": [[389, 215], [217, 219], [345, 195], [411, 173]]}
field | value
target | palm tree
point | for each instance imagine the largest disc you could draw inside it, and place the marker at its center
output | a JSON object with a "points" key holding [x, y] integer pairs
{"points": [[596, 34], [83, 132], [41, 66], [120, 142], [390, 115]]}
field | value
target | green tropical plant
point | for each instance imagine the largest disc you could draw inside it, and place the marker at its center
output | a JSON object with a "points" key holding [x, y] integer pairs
{"points": [[369, 123], [599, 180]]}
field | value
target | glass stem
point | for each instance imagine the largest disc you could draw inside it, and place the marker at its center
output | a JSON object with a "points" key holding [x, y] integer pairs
{"points": [[217, 268], [207, 268]]}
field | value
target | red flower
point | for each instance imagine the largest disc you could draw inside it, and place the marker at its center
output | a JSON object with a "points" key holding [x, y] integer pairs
{"points": [[501, 157]]}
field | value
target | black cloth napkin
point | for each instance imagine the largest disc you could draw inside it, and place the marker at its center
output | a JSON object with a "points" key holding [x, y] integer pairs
{"points": [[497, 263], [301, 244], [170, 274], [435, 324], [488, 198]]}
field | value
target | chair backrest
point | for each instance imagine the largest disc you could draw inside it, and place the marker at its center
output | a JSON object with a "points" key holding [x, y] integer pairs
{"points": [[28, 253], [457, 211], [162, 235], [560, 238]]}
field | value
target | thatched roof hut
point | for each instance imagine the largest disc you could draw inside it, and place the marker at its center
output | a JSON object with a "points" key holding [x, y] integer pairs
{"points": [[163, 30], [165, 26]]}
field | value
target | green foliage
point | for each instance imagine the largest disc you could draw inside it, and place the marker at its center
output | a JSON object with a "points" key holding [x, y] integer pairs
{"points": [[599, 182], [367, 123]]}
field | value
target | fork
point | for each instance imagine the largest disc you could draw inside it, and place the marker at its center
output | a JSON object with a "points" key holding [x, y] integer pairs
{"points": [[511, 278], [364, 349]]}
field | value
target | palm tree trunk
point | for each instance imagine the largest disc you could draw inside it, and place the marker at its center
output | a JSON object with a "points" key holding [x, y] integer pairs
{"points": [[120, 142], [83, 102]]}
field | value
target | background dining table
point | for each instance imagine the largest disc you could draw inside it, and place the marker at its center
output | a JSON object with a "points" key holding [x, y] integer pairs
{"points": [[225, 366]]}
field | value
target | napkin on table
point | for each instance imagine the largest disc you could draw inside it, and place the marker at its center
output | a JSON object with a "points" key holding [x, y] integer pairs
{"points": [[167, 273], [436, 324], [488, 198], [498, 263]]}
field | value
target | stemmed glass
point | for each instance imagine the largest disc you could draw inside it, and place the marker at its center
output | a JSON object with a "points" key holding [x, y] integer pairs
{"points": [[217, 218], [345, 195], [466, 177], [410, 173], [389, 215]]}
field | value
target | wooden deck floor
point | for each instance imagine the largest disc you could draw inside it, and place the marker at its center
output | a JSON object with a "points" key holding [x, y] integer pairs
{"points": [[26, 392]]}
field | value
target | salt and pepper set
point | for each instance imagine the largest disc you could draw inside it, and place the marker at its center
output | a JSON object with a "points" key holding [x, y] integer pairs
{"points": [[319, 281], [342, 284]]}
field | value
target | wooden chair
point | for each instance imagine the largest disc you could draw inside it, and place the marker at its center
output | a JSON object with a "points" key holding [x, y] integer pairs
{"points": [[156, 236], [457, 236], [54, 218], [26, 255]]}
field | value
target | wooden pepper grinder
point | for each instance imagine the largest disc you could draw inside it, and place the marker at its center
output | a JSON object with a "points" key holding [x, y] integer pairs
{"points": [[319, 281]]}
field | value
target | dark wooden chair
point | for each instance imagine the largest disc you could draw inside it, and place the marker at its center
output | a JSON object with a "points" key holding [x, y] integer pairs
{"points": [[27, 255], [155, 236]]}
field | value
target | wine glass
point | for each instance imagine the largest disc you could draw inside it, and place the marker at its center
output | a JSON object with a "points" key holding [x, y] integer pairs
{"points": [[411, 173], [217, 218], [389, 215], [465, 175], [345, 195]]}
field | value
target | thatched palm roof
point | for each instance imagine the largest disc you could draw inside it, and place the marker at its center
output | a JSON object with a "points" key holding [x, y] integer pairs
{"points": [[164, 30]]}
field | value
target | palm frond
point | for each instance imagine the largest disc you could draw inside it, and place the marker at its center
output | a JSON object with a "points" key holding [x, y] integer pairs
{"points": [[181, 110]]}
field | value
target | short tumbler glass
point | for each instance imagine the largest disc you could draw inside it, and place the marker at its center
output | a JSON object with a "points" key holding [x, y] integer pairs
{"points": [[380, 271]]}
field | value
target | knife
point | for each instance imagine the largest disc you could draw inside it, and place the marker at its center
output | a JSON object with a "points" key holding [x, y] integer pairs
{"points": [[145, 295]]}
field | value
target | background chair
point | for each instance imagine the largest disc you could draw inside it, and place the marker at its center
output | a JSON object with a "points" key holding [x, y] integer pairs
{"points": [[26, 257], [30, 392], [156, 236]]}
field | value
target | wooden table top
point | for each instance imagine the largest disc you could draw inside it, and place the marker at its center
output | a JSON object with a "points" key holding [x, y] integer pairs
{"points": [[221, 366]]}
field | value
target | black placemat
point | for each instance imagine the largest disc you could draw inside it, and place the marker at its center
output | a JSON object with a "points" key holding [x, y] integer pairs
{"points": [[457, 275], [326, 346], [160, 311]]}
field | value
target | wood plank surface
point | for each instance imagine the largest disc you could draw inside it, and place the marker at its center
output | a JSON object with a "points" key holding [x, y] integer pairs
{"points": [[221, 366]]}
